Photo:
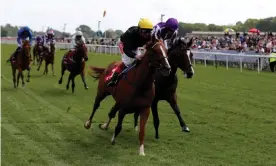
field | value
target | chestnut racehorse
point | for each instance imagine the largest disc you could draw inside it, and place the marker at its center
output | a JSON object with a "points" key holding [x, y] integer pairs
{"points": [[74, 62], [21, 63], [48, 55], [179, 56], [135, 91]]}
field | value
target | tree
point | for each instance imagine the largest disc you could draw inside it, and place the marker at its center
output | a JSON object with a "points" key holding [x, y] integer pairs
{"points": [[4, 33], [118, 32], [110, 33], [86, 30]]}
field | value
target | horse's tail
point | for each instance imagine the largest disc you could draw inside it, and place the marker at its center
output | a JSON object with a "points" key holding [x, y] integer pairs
{"points": [[96, 72]]}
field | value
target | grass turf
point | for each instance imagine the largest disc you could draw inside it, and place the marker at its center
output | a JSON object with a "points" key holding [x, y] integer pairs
{"points": [[231, 116]]}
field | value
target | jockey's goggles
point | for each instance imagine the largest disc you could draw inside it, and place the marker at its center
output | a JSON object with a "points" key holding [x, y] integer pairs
{"points": [[145, 30]]}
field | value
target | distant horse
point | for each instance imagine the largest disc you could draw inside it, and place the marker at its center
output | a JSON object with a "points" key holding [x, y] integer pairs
{"points": [[73, 61], [37, 51], [135, 92], [21, 63], [180, 56], [48, 55]]}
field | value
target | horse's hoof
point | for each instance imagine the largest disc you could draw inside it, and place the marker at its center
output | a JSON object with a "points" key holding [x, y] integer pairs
{"points": [[113, 142], [86, 87], [27, 80], [103, 126], [185, 129], [60, 82], [142, 154], [87, 124], [136, 128], [157, 137], [54, 74], [67, 87]]}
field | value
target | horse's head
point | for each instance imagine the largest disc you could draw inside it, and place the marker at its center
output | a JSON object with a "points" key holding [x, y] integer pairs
{"points": [[53, 48], [157, 54], [81, 52], [26, 47], [181, 56]]}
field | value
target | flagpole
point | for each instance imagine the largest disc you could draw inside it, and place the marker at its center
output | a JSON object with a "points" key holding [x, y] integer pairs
{"points": [[104, 13]]}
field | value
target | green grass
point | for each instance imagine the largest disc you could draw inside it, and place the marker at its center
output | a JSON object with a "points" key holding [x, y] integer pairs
{"points": [[231, 116]]}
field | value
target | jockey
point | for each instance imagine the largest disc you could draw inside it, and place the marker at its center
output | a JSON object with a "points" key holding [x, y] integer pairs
{"points": [[77, 40], [131, 40], [166, 31], [23, 33], [38, 40], [48, 38]]}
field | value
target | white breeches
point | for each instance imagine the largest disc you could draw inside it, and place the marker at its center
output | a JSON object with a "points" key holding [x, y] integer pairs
{"points": [[127, 60]]}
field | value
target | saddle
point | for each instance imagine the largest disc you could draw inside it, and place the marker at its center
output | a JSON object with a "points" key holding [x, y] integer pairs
{"points": [[68, 58]]}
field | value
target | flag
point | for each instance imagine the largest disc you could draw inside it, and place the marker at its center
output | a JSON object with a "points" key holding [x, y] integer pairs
{"points": [[104, 13]]}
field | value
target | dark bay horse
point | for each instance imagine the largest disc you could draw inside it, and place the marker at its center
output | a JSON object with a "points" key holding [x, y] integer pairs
{"points": [[135, 92], [74, 62], [179, 56], [37, 51], [21, 63], [48, 55]]}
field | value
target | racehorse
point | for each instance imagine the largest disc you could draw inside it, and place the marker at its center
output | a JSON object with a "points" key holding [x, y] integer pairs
{"points": [[179, 56], [21, 63], [37, 51], [73, 61], [48, 55], [134, 92]]}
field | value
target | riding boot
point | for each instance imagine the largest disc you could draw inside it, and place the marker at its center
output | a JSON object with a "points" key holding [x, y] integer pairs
{"points": [[115, 75], [13, 56]]}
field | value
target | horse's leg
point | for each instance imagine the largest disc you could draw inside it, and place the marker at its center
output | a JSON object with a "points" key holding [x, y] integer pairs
{"points": [[34, 55], [83, 80], [73, 83], [46, 68], [62, 72], [22, 79], [173, 102], [29, 74], [155, 116], [118, 128], [69, 79], [18, 77], [100, 96], [136, 115], [53, 70], [37, 59], [111, 115], [13, 75], [144, 115], [40, 62]]}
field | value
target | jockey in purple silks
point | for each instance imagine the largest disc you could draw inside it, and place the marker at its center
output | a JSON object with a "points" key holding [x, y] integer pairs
{"points": [[166, 31], [39, 40], [48, 38]]}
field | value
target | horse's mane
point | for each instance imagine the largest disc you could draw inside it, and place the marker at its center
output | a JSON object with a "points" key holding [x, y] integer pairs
{"points": [[181, 40]]}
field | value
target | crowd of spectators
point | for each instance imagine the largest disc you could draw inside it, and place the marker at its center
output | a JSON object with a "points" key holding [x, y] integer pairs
{"points": [[95, 41], [239, 42]]}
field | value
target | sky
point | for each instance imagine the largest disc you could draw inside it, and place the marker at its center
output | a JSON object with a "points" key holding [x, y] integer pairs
{"points": [[121, 14]]}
